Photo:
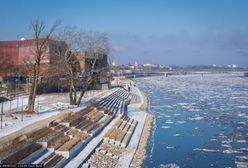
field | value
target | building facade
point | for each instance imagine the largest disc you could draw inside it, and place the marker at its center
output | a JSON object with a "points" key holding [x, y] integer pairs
{"points": [[21, 53], [20, 57], [101, 67]]}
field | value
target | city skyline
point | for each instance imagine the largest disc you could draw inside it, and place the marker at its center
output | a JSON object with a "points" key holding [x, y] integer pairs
{"points": [[160, 32]]}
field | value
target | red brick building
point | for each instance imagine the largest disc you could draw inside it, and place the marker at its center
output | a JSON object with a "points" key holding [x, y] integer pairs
{"points": [[21, 53]]}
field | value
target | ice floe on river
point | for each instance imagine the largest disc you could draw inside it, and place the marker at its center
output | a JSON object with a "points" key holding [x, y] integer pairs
{"points": [[211, 113], [166, 127]]}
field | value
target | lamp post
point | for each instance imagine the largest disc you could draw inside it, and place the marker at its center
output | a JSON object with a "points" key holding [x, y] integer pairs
{"points": [[2, 116], [58, 87], [17, 102], [10, 105], [22, 108], [17, 82]]}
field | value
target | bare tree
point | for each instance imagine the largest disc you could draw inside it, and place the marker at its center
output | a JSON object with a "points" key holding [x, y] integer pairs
{"points": [[41, 41], [95, 44], [66, 60], [77, 42]]}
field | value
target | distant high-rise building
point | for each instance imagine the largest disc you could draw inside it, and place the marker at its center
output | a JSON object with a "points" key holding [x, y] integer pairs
{"points": [[136, 64], [113, 63]]}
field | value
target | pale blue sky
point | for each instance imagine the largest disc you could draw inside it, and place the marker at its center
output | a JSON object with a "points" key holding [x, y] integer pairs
{"points": [[178, 32]]}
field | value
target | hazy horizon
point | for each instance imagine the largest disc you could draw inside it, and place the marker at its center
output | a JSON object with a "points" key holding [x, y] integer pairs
{"points": [[158, 32]]}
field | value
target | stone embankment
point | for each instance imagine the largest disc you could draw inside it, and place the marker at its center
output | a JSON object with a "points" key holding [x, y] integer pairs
{"points": [[106, 156], [140, 154]]}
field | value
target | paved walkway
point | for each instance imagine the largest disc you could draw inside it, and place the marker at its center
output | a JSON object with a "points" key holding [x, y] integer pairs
{"points": [[48, 109], [135, 113]]}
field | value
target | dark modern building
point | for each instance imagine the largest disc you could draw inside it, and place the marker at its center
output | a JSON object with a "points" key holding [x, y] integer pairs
{"points": [[101, 68]]}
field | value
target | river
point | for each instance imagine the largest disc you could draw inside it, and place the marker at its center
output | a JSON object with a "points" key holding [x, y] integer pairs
{"points": [[200, 121]]}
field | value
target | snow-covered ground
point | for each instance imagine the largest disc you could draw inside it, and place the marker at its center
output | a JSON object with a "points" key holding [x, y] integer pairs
{"points": [[53, 104], [125, 160], [49, 105]]}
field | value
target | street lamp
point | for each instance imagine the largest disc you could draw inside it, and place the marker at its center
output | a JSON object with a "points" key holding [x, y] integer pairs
{"points": [[2, 116]]}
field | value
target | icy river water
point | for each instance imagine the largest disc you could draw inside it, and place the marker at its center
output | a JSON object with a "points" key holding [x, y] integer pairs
{"points": [[199, 121]]}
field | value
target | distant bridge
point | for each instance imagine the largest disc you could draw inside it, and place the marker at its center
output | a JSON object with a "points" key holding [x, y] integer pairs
{"points": [[144, 74]]}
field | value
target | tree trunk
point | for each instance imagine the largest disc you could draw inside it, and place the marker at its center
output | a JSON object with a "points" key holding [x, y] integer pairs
{"points": [[38, 27], [71, 96], [87, 83], [33, 90], [73, 92], [80, 97]]}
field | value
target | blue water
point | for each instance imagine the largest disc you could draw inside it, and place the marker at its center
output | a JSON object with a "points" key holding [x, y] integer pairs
{"points": [[199, 121]]}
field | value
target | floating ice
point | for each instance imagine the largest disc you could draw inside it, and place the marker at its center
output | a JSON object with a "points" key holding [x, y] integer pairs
{"points": [[181, 122], [241, 141], [231, 151], [226, 145], [241, 161], [213, 139], [207, 150], [168, 106], [197, 149], [197, 118], [168, 122], [159, 106], [211, 150], [168, 166], [194, 109], [166, 127], [218, 101], [242, 107], [170, 147], [182, 104]]}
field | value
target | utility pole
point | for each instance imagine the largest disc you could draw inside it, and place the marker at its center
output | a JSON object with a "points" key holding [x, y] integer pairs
{"points": [[58, 90], [2, 116], [17, 102], [22, 108], [10, 106]]}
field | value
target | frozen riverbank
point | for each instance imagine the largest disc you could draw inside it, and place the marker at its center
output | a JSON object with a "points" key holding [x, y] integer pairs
{"points": [[130, 133], [140, 154], [110, 154]]}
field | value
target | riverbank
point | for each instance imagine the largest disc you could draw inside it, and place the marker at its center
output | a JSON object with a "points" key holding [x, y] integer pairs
{"points": [[122, 157], [140, 154]]}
